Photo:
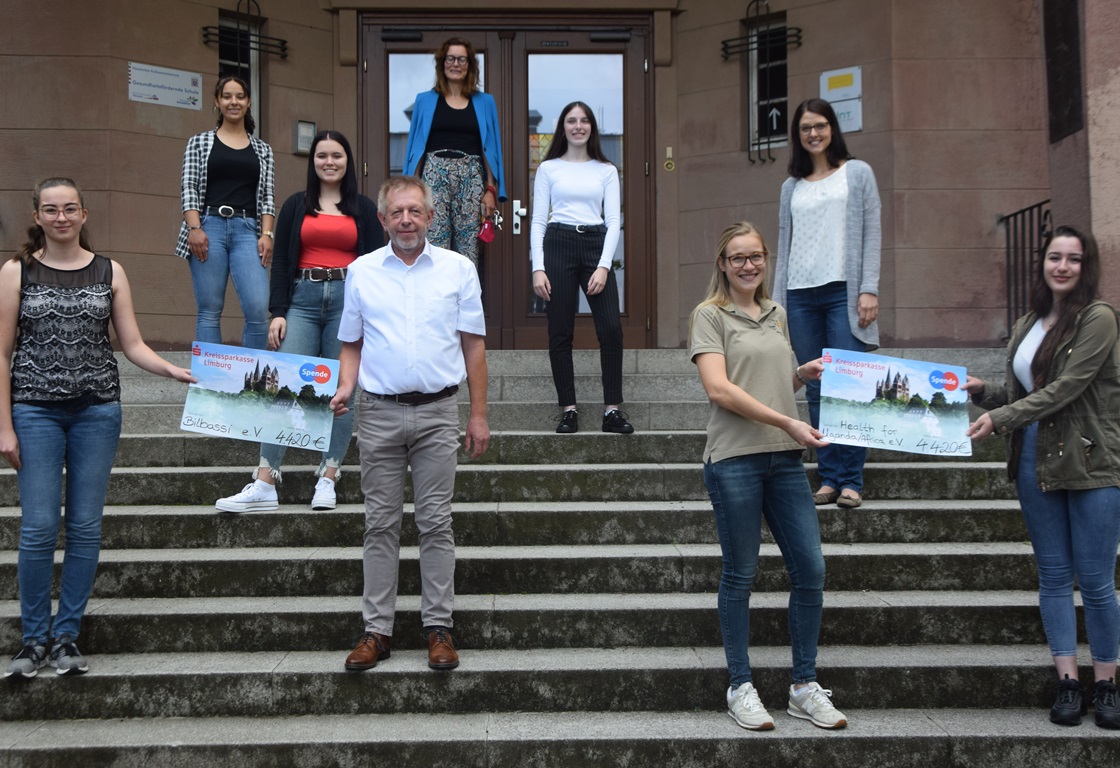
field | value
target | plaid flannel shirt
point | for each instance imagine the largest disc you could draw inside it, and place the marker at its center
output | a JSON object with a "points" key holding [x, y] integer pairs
{"points": [[194, 182]]}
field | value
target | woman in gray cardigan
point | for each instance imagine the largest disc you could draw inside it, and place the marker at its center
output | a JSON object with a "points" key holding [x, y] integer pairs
{"points": [[827, 271]]}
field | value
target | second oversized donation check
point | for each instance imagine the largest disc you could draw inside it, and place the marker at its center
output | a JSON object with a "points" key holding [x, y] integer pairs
{"points": [[266, 397], [894, 403]]}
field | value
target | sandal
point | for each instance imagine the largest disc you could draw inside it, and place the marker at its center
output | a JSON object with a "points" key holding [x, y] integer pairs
{"points": [[849, 500], [825, 497]]}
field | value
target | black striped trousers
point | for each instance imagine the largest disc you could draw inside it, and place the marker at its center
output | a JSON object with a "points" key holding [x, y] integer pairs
{"points": [[570, 258]]}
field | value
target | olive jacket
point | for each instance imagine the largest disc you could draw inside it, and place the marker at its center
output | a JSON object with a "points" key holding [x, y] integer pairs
{"points": [[1078, 409]]}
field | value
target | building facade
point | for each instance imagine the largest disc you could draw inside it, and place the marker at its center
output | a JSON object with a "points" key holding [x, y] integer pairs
{"points": [[954, 105]]}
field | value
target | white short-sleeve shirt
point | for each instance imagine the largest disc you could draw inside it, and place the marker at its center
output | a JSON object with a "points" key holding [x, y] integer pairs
{"points": [[409, 319]]}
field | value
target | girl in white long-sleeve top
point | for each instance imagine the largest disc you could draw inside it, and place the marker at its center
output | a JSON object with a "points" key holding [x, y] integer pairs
{"points": [[574, 234]]}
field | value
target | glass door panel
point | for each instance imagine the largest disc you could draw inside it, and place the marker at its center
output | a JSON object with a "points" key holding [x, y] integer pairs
{"points": [[600, 86]]}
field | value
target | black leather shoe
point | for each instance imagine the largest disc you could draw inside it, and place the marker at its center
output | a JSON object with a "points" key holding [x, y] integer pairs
{"points": [[616, 422], [1069, 706], [569, 423], [1106, 704]]}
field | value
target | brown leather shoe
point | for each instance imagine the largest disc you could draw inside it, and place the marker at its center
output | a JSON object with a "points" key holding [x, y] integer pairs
{"points": [[371, 649], [441, 648]]}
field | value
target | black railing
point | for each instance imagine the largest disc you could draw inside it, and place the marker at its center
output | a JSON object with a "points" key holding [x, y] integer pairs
{"points": [[1024, 232]]}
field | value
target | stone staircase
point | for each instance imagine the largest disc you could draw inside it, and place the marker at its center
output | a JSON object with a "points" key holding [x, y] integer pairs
{"points": [[586, 579]]}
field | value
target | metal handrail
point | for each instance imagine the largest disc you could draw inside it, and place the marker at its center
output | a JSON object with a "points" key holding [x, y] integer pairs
{"points": [[1025, 231]]}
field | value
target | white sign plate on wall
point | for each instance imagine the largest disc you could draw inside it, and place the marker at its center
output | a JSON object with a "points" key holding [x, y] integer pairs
{"points": [[166, 87], [843, 89]]}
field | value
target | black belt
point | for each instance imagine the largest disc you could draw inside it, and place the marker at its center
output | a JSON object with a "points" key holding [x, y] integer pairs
{"points": [[228, 212], [583, 229], [418, 398], [319, 274]]}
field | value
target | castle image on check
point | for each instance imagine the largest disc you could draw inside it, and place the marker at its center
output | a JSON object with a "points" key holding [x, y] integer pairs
{"points": [[267, 380], [897, 388]]}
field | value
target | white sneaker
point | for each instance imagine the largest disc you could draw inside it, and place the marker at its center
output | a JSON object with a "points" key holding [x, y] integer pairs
{"points": [[812, 703], [745, 708], [324, 497], [255, 497]]}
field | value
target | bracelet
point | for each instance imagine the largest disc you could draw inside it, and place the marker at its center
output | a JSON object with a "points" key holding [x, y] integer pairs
{"points": [[491, 190], [797, 373], [269, 233], [191, 226]]}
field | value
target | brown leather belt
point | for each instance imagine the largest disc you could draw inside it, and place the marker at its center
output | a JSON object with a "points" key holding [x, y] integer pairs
{"points": [[321, 274], [418, 398]]}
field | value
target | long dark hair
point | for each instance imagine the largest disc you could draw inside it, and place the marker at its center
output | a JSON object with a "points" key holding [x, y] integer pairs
{"points": [[1042, 298], [560, 139], [348, 205], [36, 238], [470, 85], [800, 161], [250, 123]]}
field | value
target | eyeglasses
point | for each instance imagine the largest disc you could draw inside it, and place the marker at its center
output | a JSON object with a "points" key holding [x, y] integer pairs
{"points": [[69, 211], [818, 127], [758, 258], [460, 60]]}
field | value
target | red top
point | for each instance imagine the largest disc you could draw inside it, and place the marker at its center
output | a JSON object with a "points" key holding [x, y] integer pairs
{"points": [[327, 241]]}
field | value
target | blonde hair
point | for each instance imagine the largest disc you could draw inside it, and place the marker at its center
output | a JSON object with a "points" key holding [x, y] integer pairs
{"points": [[719, 287]]}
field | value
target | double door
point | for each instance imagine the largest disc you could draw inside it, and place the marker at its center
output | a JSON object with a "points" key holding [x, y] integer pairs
{"points": [[533, 68]]}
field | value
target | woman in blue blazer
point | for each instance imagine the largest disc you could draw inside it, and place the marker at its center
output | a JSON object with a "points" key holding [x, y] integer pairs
{"points": [[454, 145]]}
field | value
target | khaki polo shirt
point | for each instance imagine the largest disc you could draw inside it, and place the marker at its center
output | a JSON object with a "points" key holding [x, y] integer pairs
{"points": [[760, 361]]}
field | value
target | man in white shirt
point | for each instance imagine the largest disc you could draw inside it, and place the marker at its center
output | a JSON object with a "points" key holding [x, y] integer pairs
{"points": [[411, 330]]}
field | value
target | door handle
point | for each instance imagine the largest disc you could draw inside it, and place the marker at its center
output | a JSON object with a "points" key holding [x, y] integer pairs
{"points": [[518, 212]]}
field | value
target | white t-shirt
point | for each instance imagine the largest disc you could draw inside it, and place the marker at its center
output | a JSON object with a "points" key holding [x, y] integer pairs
{"points": [[576, 193], [1028, 348], [819, 212]]}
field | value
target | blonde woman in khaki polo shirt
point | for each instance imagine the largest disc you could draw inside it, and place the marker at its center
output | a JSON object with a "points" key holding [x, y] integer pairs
{"points": [[753, 468]]}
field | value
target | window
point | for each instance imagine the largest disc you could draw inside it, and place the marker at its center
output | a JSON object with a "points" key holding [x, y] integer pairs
{"points": [[239, 55], [767, 100]]}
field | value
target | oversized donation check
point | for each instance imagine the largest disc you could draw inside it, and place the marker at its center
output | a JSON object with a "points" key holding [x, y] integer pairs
{"points": [[266, 397], [893, 403]]}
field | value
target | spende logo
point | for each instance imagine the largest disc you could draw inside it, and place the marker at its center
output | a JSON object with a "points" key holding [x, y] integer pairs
{"points": [[315, 374], [942, 380]]}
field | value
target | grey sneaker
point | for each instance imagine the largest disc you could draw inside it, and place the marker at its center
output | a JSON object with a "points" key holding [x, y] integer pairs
{"points": [[66, 658], [28, 662], [812, 703], [745, 707], [253, 498], [324, 497]]}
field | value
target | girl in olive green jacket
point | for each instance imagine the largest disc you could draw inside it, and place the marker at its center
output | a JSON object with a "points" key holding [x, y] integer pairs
{"points": [[1061, 408]]}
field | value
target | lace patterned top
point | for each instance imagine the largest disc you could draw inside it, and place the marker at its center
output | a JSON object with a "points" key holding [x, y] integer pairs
{"points": [[63, 354]]}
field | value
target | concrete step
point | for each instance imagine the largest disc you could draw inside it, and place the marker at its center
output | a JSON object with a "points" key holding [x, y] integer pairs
{"points": [[520, 621], [885, 738], [184, 449], [477, 482], [163, 419], [244, 683], [656, 568], [490, 524]]}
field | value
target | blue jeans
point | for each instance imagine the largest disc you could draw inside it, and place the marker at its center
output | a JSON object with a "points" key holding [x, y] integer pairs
{"points": [[818, 318], [232, 253], [313, 315], [84, 440], [1074, 533], [744, 489]]}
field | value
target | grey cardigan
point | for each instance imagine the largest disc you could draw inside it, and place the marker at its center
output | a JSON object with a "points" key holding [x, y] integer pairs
{"points": [[862, 240]]}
